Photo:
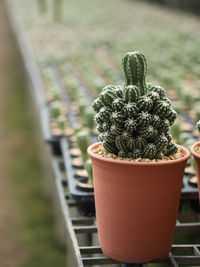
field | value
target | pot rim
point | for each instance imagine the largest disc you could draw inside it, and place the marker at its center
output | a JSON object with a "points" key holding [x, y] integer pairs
{"points": [[195, 154], [116, 161]]}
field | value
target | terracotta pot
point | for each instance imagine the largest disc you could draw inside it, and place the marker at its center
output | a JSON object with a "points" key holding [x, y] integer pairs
{"points": [[136, 206], [197, 163]]}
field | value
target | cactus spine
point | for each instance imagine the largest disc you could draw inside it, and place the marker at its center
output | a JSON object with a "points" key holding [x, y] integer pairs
{"points": [[134, 120]]}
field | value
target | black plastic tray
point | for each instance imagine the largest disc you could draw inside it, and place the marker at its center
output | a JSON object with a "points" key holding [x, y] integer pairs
{"points": [[85, 199]]}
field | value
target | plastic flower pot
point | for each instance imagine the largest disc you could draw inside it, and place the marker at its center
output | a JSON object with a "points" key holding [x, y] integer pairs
{"points": [[197, 162], [136, 206]]}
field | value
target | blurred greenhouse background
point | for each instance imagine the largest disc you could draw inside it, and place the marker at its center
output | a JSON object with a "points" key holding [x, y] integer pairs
{"points": [[79, 44]]}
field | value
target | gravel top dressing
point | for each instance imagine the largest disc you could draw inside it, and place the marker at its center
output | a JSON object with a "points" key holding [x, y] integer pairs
{"points": [[103, 153]]}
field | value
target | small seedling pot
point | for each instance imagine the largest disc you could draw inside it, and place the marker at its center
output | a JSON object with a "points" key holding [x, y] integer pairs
{"points": [[82, 184], [136, 206], [197, 162]]}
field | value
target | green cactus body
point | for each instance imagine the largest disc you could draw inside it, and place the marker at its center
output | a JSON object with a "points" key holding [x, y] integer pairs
{"points": [[131, 143], [171, 116], [166, 99], [107, 97], [152, 138], [131, 93], [89, 120], [143, 119], [88, 167], [122, 154], [162, 108], [106, 126], [134, 68], [118, 104], [130, 110], [161, 143], [83, 142], [55, 109], [130, 125], [100, 128], [157, 89], [140, 142], [168, 136], [171, 149], [145, 103], [115, 129], [150, 151], [105, 113], [97, 105], [101, 137], [117, 117], [136, 154], [119, 92], [121, 143], [198, 126], [61, 122], [155, 121], [110, 147], [159, 155], [98, 119], [127, 137], [147, 132], [109, 137], [164, 126], [134, 120], [154, 96]]}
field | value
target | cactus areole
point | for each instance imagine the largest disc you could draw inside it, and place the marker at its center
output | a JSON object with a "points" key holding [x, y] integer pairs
{"points": [[134, 119]]}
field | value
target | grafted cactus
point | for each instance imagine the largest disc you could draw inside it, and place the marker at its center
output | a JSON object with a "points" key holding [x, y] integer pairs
{"points": [[134, 120]]}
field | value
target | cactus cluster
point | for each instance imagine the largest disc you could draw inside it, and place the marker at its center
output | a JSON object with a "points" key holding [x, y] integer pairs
{"points": [[198, 125], [134, 120]]}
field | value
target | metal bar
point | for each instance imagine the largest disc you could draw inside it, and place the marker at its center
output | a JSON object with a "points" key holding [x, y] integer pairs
{"points": [[173, 261], [187, 259], [98, 261], [71, 203], [133, 265], [188, 226], [183, 248], [189, 217], [196, 251], [66, 214], [82, 221], [85, 229], [91, 250]]}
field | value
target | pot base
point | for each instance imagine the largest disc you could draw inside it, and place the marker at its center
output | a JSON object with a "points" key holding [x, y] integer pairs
{"points": [[134, 260]]}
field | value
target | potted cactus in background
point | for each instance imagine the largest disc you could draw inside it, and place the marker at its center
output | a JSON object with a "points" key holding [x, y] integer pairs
{"points": [[137, 168], [85, 183], [195, 150]]}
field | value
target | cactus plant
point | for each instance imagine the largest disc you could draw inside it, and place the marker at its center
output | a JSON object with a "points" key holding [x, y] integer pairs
{"points": [[134, 120], [198, 125], [55, 109], [83, 142], [89, 120], [61, 122], [88, 167]]}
